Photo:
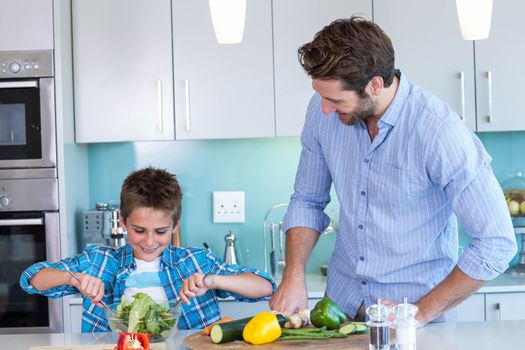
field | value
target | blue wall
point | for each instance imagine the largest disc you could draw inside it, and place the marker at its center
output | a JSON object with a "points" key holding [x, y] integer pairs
{"points": [[263, 168]]}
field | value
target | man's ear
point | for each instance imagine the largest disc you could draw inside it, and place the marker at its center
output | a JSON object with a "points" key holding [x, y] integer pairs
{"points": [[376, 85]]}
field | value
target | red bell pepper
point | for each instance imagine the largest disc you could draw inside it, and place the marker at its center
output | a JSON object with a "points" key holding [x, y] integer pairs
{"points": [[133, 341]]}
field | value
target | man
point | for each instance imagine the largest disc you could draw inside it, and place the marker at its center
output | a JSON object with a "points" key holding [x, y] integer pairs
{"points": [[405, 170]]}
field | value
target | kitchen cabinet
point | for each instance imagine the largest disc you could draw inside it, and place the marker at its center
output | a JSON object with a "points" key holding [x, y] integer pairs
{"points": [[295, 23], [122, 59], [222, 91], [499, 70], [430, 50], [238, 310], [26, 25], [470, 310], [505, 306]]}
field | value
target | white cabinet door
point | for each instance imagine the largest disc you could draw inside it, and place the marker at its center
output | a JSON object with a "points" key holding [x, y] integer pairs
{"points": [[122, 70], [430, 50], [470, 310], [500, 69], [222, 91], [295, 23], [236, 309], [26, 25], [505, 306]]}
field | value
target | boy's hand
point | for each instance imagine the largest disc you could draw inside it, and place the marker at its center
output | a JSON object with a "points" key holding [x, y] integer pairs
{"points": [[90, 286], [195, 286]]}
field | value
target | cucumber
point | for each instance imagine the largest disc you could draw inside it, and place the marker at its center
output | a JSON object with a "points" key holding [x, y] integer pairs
{"points": [[231, 331], [353, 328]]}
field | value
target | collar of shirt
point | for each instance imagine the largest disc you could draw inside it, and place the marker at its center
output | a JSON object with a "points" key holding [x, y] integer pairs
{"points": [[169, 257], [393, 112]]}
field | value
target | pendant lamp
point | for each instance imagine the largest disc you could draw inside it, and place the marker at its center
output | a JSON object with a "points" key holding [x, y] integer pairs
{"points": [[228, 18], [474, 18]]}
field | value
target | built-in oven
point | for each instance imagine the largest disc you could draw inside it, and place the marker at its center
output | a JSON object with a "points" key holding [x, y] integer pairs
{"points": [[27, 113], [29, 233]]}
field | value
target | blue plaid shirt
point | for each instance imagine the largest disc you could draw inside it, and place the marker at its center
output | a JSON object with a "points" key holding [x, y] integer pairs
{"points": [[113, 267]]}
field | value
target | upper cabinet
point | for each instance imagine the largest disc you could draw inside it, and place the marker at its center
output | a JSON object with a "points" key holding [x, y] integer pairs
{"points": [[222, 91], [295, 23], [430, 50], [500, 70], [123, 78], [26, 25]]}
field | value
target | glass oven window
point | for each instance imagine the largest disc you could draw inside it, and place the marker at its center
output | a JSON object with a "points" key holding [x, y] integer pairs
{"points": [[20, 247], [20, 125]]}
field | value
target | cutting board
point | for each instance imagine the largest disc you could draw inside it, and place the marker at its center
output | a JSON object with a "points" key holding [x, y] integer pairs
{"points": [[198, 341]]}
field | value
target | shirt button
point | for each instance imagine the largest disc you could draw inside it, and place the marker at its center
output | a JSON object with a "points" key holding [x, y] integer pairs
{"points": [[367, 160], [363, 193], [363, 283], [360, 227], [362, 258]]}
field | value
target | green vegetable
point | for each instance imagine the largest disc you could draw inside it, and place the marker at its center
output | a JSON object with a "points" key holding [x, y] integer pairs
{"points": [[353, 328], [310, 334], [143, 315], [230, 331], [327, 313]]}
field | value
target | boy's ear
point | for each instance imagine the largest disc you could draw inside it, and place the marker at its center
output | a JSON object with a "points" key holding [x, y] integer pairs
{"points": [[122, 223], [176, 227]]}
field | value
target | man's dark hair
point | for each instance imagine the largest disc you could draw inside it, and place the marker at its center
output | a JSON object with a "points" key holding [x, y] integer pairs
{"points": [[352, 50], [151, 188]]}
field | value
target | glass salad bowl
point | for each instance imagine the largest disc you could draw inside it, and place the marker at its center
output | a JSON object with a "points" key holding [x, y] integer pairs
{"points": [[144, 315]]}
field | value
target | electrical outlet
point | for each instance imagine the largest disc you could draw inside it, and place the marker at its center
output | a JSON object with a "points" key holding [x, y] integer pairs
{"points": [[228, 206]]}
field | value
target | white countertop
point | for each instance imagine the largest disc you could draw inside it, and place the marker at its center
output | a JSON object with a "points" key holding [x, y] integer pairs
{"points": [[440, 336], [316, 285]]}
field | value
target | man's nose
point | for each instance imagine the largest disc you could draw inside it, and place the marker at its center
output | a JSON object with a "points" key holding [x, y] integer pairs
{"points": [[327, 107]]}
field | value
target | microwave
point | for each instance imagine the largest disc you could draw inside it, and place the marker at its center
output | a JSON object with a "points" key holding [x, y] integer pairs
{"points": [[27, 110]]}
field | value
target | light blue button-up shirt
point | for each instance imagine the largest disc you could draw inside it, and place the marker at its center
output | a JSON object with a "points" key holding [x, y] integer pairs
{"points": [[401, 197]]}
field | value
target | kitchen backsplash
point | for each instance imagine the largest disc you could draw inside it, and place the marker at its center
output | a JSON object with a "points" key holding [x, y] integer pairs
{"points": [[263, 168]]}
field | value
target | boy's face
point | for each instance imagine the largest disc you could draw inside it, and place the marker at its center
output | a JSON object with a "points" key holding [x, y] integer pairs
{"points": [[149, 232]]}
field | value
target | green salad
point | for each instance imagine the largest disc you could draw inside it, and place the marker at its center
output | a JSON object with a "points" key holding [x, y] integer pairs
{"points": [[144, 315]]}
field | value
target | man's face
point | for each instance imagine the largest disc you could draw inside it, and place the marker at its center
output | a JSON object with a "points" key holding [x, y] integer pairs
{"points": [[350, 107], [149, 232]]}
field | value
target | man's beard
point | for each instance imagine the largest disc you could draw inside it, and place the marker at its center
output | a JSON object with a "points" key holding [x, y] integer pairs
{"points": [[366, 108]]}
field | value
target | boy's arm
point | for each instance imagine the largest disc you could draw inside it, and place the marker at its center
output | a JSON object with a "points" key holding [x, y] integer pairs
{"points": [[246, 284], [49, 278]]}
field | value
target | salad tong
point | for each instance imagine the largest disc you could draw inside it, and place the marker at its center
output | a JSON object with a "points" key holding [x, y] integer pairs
{"points": [[101, 301]]}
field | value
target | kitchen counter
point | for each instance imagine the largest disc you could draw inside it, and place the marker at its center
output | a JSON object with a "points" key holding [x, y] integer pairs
{"points": [[450, 336], [316, 285]]}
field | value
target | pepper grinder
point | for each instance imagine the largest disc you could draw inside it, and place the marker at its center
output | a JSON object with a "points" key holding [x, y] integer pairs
{"points": [[379, 330], [230, 253]]}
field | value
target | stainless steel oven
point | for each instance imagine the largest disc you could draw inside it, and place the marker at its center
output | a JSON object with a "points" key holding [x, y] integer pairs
{"points": [[29, 232], [27, 113]]}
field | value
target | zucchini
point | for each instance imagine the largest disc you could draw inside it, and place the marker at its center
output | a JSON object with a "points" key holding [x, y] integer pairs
{"points": [[353, 328], [231, 331]]}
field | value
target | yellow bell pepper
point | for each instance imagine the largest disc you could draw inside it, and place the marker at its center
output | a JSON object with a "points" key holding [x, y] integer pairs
{"points": [[263, 328]]}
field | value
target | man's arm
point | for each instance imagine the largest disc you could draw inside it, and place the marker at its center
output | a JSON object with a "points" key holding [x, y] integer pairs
{"points": [[291, 295], [450, 292]]}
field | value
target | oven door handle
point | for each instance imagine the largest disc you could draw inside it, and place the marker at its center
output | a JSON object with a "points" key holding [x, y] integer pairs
{"points": [[21, 222], [18, 84]]}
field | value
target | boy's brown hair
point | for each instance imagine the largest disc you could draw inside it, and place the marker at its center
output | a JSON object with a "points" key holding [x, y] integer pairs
{"points": [[151, 188], [352, 50]]}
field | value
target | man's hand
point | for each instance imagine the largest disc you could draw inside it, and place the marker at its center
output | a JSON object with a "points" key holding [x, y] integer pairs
{"points": [[195, 286], [291, 296], [90, 286]]}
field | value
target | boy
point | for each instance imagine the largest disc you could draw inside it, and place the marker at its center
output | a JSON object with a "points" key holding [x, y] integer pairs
{"points": [[150, 203]]}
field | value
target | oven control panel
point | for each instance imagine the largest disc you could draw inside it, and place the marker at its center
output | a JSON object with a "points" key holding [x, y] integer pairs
{"points": [[26, 64]]}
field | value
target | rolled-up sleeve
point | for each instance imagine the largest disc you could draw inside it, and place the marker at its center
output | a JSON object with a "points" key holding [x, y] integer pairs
{"points": [[463, 169], [312, 181], [218, 267], [54, 293]]}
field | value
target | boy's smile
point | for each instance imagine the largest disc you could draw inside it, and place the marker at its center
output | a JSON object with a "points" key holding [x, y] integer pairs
{"points": [[149, 232]]}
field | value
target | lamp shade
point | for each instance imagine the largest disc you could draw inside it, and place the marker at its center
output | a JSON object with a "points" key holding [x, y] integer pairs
{"points": [[228, 18], [474, 18]]}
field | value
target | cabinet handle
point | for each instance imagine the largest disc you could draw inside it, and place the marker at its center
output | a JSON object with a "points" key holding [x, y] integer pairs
{"points": [[462, 86], [159, 101], [187, 102], [489, 86], [498, 309]]}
